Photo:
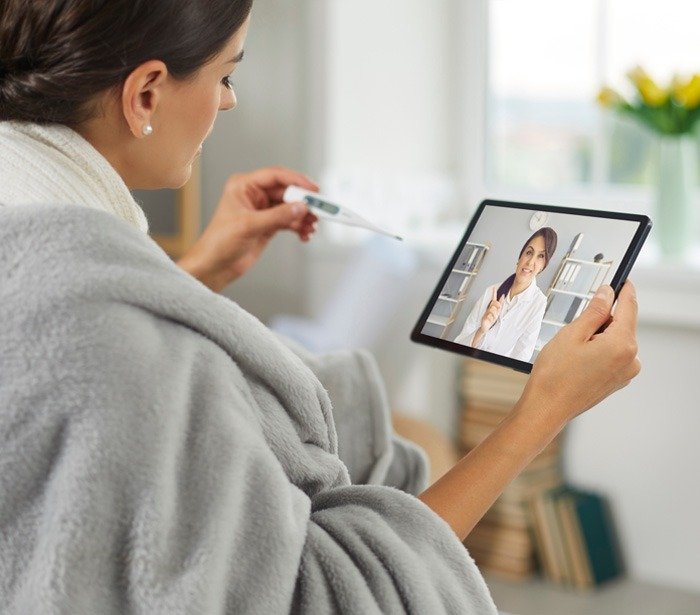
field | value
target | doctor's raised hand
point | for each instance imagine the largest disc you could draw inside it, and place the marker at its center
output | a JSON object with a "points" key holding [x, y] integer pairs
{"points": [[248, 215], [492, 313]]}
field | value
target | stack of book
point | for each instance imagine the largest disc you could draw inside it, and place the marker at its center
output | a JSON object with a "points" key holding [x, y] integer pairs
{"points": [[538, 522], [503, 543], [575, 538]]}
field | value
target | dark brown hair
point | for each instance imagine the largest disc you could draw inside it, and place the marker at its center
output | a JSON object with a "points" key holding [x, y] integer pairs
{"points": [[550, 245], [56, 55]]}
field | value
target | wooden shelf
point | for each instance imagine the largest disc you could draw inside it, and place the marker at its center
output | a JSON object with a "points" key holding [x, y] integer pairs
{"points": [[443, 321], [450, 299], [571, 293], [554, 323], [472, 260], [187, 212]]}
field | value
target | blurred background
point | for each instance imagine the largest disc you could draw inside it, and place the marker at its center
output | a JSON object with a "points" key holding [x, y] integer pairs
{"points": [[412, 112]]}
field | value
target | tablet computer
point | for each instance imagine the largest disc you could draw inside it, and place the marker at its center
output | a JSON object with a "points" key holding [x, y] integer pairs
{"points": [[521, 272]]}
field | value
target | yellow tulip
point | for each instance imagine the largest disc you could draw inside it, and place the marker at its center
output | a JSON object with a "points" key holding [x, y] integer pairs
{"points": [[688, 94], [651, 94], [609, 97], [637, 74]]}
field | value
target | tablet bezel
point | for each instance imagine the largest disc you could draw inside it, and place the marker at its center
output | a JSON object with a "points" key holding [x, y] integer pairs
{"points": [[643, 228]]}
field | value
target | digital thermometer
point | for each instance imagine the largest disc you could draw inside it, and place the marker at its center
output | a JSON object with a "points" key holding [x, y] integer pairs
{"points": [[323, 208]]}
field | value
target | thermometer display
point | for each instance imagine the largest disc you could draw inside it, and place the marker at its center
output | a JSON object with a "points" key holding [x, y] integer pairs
{"points": [[323, 208], [323, 205]]}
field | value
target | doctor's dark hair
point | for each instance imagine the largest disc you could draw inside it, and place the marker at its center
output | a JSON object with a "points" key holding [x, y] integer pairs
{"points": [[550, 245], [57, 55]]}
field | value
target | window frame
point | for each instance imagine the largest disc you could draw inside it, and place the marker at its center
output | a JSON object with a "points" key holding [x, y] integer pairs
{"points": [[599, 194]]}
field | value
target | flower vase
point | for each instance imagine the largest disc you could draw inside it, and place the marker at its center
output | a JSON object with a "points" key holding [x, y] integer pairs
{"points": [[675, 219]]}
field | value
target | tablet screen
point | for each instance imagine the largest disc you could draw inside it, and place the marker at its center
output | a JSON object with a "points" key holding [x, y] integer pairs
{"points": [[520, 274]]}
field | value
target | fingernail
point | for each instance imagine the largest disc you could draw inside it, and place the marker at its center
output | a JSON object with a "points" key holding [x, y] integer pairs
{"points": [[604, 292], [297, 208]]}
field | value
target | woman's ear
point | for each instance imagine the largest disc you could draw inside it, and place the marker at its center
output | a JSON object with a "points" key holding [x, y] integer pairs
{"points": [[141, 94]]}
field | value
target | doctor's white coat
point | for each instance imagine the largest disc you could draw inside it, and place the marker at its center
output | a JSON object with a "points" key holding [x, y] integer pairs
{"points": [[515, 332]]}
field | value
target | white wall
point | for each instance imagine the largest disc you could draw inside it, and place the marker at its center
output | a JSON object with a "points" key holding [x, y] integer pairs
{"points": [[640, 446], [388, 85], [266, 128], [393, 104]]}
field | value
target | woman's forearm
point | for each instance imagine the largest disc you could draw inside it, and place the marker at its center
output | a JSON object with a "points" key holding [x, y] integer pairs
{"points": [[200, 269], [467, 491]]}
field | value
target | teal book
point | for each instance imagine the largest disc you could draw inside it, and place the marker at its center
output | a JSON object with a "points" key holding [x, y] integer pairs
{"points": [[598, 535]]}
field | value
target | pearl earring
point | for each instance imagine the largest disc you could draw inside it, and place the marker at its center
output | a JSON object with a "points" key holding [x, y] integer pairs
{"points": [[147, 129]]}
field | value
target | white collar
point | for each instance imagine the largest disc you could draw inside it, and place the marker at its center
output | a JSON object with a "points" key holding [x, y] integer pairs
{"points": [[528, 294], [54, 164]]}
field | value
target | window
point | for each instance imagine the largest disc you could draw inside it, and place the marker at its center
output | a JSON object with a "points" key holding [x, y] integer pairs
{"points": [[544, 132], [440, 104]]}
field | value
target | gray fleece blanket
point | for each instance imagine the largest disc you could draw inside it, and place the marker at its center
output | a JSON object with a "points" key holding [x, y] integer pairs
{"points": [[161, 451]]}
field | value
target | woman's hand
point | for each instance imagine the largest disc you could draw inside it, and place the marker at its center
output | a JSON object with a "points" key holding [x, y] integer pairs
{"points": [[574, 371], [249, 213], [492, 312], [579, 368]]}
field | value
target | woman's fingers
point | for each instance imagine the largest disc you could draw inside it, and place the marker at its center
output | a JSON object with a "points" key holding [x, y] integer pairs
{"points": [[595, 315], [267, 221], [306, 227], [276, 177], [492, 315], [626, 308], [584, 367]]}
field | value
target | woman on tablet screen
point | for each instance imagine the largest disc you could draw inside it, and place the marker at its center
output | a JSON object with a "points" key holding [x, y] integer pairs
{"points": [[507, 318]]}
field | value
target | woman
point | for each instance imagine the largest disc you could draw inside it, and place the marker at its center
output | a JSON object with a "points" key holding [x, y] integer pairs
{"points": [[507, 319], [163, 452]]}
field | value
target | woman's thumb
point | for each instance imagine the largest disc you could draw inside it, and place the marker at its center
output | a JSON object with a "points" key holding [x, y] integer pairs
{"points": [[278, 217], [597, 313]]}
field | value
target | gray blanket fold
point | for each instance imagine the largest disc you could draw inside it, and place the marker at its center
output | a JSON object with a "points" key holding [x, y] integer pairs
{"points": [[161, 451], [367, 445]]}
